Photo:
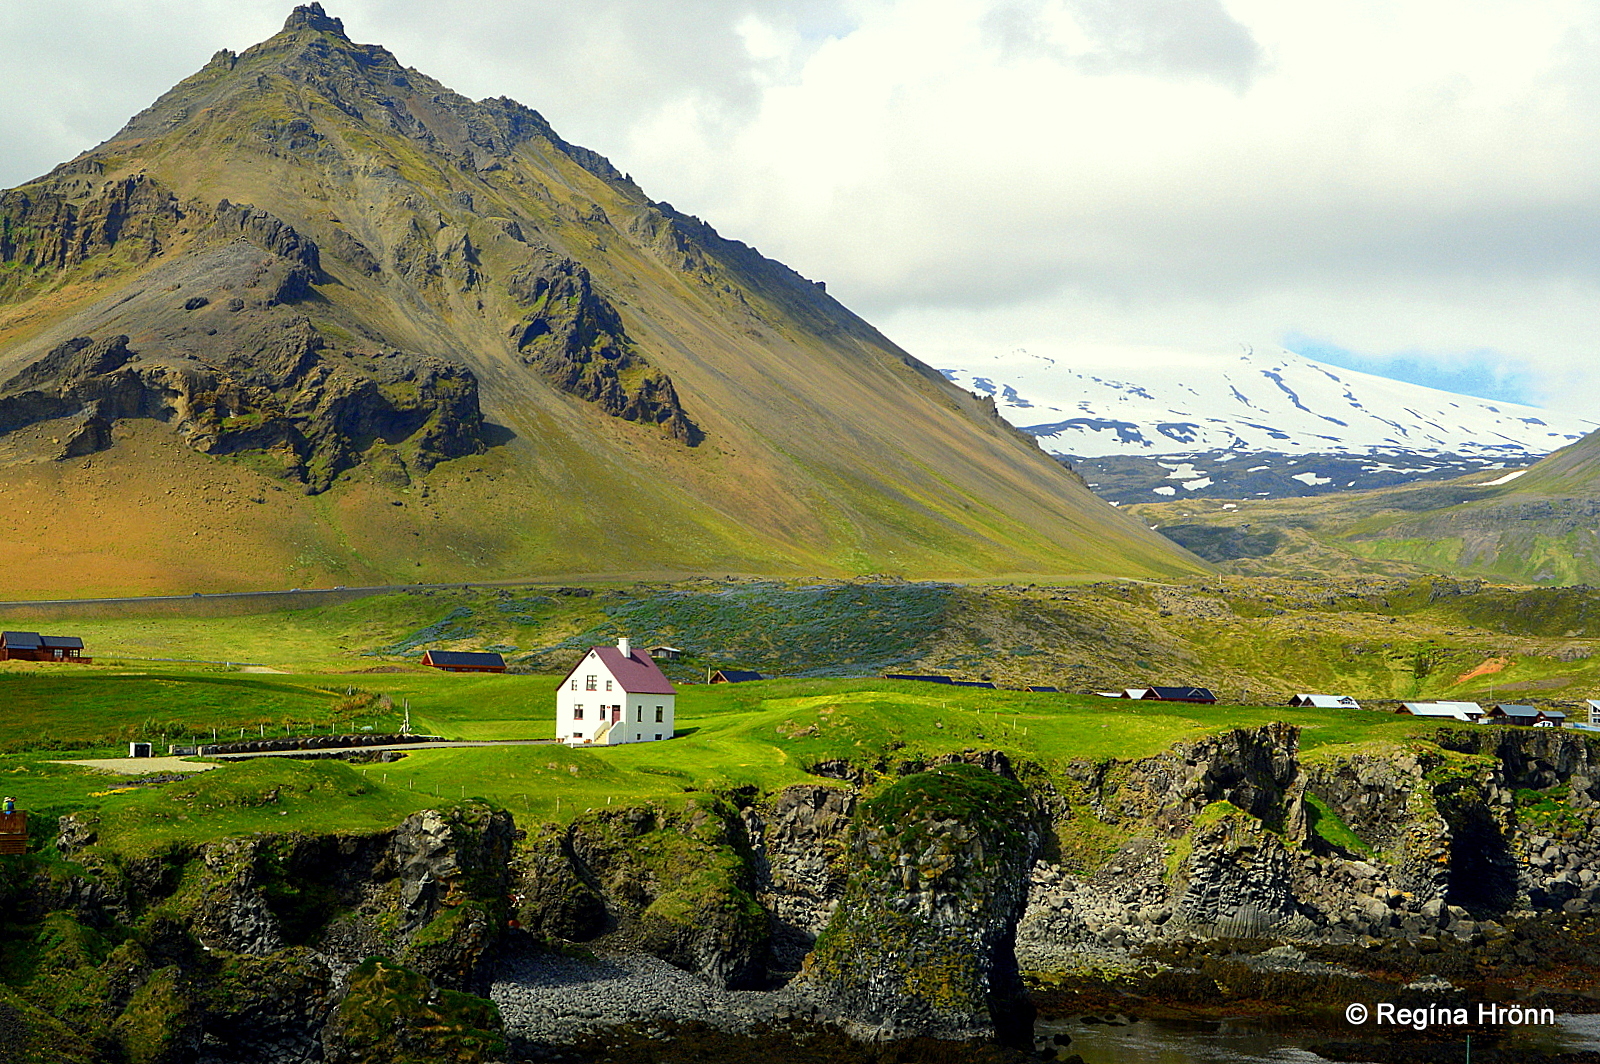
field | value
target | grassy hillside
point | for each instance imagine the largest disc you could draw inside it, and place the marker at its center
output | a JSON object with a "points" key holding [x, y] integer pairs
{"points": [[705, 410], [1256, 639], [1539, 527], [764, 734]]}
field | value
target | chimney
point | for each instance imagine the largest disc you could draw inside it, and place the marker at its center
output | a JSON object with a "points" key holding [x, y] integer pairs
{"points": [[625, 646]]}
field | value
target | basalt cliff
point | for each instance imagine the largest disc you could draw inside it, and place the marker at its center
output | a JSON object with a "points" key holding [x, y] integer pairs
{"points": [[313, 317], [885, 902]]}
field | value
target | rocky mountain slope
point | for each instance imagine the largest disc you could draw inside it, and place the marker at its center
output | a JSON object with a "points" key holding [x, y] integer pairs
{"points": [[312, 317]]}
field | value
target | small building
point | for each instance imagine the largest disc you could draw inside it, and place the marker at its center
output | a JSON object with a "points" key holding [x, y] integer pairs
{"points": [[1507, 713], [1198, 695], [985, 684], [31, 646], [735, 676], [1324, 702], [1041, 689], [1465, 712], [1135, 693], [662, 652], [1594, 710], [464, 661], [916, 677], [615, 695]]}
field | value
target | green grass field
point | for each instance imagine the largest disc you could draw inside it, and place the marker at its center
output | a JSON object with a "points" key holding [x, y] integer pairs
{"points": [[764, 735]]}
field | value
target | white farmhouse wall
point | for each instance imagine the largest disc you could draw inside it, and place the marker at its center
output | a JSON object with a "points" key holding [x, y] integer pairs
{"points": [[591, 698]]}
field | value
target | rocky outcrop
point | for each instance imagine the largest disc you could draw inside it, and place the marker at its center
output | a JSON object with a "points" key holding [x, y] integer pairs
{"points": [[676, 885], [47, 229], [575, 338], [797, 841], [921, 942], [263, 948]]}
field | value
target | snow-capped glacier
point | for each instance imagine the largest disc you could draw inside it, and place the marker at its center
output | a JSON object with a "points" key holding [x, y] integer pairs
{"points": [[1255, 402]]}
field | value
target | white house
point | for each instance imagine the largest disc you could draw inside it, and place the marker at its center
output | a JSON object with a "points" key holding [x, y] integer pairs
{"points": [[615, 695]]}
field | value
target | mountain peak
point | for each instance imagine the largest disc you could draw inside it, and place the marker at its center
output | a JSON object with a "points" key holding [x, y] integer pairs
{"points": [[311, 16]]}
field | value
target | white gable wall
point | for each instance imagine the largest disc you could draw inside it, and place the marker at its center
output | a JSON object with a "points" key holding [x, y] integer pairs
{"points": [[591, 698]]}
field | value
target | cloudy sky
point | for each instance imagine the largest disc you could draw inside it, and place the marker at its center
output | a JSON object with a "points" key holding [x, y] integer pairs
{"points": [[1404, 186]]}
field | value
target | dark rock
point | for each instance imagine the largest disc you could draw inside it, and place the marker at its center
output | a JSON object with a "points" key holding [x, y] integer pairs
{"points": [[922, 940], [575, 338]]}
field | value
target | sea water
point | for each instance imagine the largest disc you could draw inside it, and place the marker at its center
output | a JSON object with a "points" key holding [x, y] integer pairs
{"points": [[1260, 1041]]}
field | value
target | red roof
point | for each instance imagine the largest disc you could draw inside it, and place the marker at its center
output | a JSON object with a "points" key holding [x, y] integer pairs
{"points": [[637, 673]]}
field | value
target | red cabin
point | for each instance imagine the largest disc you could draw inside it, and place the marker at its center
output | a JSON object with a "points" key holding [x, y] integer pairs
{"points": [[31, 646]]}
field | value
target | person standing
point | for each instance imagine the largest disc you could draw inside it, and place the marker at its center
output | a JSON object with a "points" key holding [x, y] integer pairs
{"points": [[10, 806]]}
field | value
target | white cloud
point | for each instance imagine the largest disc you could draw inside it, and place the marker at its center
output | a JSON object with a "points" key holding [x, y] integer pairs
{"points": [[1406, 175]]}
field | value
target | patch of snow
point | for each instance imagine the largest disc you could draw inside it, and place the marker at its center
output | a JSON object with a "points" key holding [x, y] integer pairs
{"points": [[1508, 478], [1311, 480], [1196, 485], [1165, 490], [1172, 403]]}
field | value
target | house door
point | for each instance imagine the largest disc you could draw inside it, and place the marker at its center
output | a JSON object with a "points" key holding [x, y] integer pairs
{"points": [[616, 714]]}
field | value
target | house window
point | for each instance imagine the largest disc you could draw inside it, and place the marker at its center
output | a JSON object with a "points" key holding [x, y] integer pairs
{"points": [[577, 712], [658, 717], [658, 735], [590, 683], [574, 683], [638, 714], [637, 737], [608, 685], [577, 735]]}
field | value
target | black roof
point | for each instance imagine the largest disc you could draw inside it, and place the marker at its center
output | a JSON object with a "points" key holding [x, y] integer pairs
{"points": [[1511, 710], [914, 676], [1180, 694], [463, 657], [62, 642], [972, 683], [739, 675], [21, 640], [1041, 689]]}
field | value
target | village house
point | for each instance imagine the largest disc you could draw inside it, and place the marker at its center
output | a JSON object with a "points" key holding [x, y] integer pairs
{"points": [[1465, 712], [735, 676], [662, 652], [464, 661], [1526, 716], [1199, 695], [615, 695], [31, 646], [1324, 702]]}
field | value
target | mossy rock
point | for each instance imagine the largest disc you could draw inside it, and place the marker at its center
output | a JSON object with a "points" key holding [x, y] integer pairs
{"points": [[393, 1015], [29, 1035]]}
